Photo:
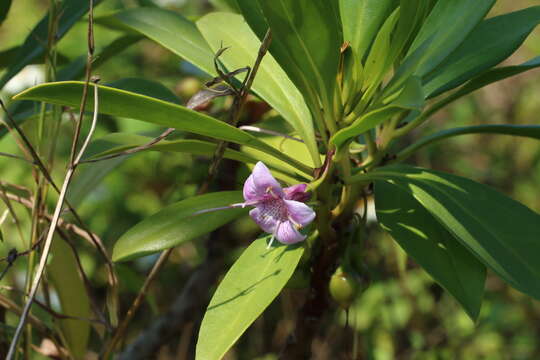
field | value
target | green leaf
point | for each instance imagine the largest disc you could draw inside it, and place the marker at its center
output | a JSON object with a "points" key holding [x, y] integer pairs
{"points": [[253, 14], [252, 283], [168, 29], [118, 142], [431, 245], [379, 59], [8, 56], [33, 46], [177, 224], [491, 42], [531, 131], [271, 82], [502, 233], [73, 297], [361, 21], [306, 42], [135, 106], [88, 177], [75, 70], [410, 98], [445, 28], [4, 9]]}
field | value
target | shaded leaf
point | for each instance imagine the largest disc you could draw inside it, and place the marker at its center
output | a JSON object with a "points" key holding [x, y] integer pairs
{"points": [[33, 46], [4, 10], [310, 58], [531, 131], [167, 28], [177, 224], [445, 28], [499, 231], [431, 245], [73, 297], [252, 283]]}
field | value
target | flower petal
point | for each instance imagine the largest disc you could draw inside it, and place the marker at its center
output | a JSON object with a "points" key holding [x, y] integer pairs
{"points": [[267, 223], [299, 213], [286, 233], [297, 192], [250, 191], [264, 181]]}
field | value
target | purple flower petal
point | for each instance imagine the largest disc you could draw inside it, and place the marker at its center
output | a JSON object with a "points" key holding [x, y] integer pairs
{"points": [[250, 191], [287, 233], [297, 193], [264, 182], [299, 213], [267, 223]]}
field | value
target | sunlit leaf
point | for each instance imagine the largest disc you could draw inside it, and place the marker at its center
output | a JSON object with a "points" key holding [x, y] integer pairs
{"points": [[271, 82], [252, 283], [136, 106]]}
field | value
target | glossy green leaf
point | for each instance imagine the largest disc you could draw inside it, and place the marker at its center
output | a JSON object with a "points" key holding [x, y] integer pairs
{"points": [[431, 245], [410, 98], [33, 47], [136, 106], [530, 131], [271, 82], [177, 224], [4, 10], [379, 59], [491, 42], [73, 297], [445, 28], [306, 42], [167, 28], [361, 20], [254, 16], [499, 231], [252, 283], [118, 142]]}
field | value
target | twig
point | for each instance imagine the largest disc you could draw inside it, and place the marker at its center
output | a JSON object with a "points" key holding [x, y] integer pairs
{"points": [[136, 303], [88, 74], [16, 157], [27, 147], [135, 149], [50, 233], [185, 308], [236, 107]]}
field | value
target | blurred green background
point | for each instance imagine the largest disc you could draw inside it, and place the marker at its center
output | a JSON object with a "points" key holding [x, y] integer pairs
{"points": [[403, 314]]}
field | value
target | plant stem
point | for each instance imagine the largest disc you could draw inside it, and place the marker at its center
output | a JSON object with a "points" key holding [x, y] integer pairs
{"points": [[50, 234]]}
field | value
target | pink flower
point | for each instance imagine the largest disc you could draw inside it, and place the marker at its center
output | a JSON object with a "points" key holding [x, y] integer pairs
{"points": [[278, 211]]}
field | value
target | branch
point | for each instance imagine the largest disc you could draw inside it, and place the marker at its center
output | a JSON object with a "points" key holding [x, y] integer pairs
{"points": [[48, 240]]}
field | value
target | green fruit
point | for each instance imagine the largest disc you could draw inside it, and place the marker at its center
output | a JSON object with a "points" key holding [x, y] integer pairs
{"points": [[344, 287]]}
